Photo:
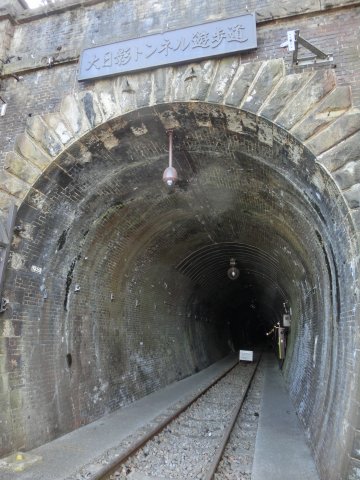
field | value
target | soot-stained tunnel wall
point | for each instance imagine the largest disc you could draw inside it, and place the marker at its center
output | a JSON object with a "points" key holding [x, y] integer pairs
{"points": [[133, 291]]}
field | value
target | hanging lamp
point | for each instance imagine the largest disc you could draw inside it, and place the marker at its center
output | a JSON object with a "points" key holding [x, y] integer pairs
{"points": [[170, 175], [233, 272]]}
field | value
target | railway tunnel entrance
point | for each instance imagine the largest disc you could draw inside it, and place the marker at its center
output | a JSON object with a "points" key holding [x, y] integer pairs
{"points": [[133, 291]]}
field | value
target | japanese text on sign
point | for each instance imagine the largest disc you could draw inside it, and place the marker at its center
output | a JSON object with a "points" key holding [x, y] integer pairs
{"points": [[192, 43]]}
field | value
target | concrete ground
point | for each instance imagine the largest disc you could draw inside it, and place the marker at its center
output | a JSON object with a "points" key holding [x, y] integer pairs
{"points": [[281, 452]]}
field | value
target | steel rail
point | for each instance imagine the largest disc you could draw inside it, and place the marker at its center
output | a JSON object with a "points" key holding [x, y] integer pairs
{"points": [[105, 472], [220, 450]]}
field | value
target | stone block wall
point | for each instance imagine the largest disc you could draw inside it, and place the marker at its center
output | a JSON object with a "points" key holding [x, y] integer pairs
{"points": [[85, 222]]}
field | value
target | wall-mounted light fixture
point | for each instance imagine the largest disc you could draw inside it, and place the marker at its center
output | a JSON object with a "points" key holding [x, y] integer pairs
{"points": [[170, 174], [233, 271], [3, 107]]}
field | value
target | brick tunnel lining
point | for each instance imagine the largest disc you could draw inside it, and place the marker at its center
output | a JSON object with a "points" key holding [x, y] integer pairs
{"points": [[249, 305], [111, 241]]}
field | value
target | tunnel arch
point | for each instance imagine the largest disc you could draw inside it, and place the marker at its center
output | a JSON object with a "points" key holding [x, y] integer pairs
{"points": [[319, 114], [72, 210]]}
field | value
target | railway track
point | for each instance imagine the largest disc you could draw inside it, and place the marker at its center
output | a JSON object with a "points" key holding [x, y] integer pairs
{"points": [[192, 443]]}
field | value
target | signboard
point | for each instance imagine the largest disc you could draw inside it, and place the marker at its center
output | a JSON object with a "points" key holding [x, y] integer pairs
{"points": [[246, 355], [286, 320], [291, 41], [221, 37]]}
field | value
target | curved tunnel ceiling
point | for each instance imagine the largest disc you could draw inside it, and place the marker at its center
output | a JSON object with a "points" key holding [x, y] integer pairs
{"points": [[208, 266], [257, 286], [246, 189], [236, 188]]}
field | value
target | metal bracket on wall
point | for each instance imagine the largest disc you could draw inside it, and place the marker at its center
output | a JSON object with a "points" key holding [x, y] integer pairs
{"points": [[293, 41], [6, 232], [3, 305]]}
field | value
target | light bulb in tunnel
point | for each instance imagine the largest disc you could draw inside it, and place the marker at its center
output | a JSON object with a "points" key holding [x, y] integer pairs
{"points": [[233, 271], [170, 176]]}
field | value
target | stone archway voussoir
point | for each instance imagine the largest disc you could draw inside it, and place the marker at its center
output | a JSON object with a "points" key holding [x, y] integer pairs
{"points": [[73, 116], [40, 132], [31, 151], [13, 190], [21, 168], [283, 94], [342, 128], [266, 80], [317, 115], [106, 98], [333, 106]]}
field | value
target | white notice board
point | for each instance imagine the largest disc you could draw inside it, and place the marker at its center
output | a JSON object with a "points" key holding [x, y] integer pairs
{"points": [[246, 355]]}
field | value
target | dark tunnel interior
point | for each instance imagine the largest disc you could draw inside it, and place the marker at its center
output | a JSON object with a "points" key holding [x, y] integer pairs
{"points": [[249, 319], [250, 304]]}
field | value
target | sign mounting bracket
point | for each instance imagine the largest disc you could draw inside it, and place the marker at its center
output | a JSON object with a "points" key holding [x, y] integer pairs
{"points": [[318, 56]]}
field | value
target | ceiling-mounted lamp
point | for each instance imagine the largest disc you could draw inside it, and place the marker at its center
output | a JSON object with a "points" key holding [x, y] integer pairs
{"points": [[233, 272], [170, 174]]}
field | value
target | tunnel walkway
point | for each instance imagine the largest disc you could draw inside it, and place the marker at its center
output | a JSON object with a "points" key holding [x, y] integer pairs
{"points": [[280, 453], [280, 450]]}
